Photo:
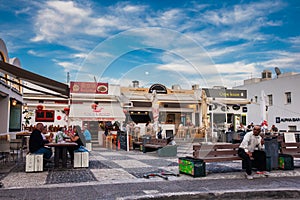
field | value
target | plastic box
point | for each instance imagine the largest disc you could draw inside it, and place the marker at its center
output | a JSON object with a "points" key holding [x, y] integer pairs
{"points": [[81, 159], [285, 162], [34, 163], [192, 166]]}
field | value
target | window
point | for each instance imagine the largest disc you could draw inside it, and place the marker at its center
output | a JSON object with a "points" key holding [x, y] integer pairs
{"points": [[288, 97], [255, 99], [44, 115], [270, 100], [292, 128]]}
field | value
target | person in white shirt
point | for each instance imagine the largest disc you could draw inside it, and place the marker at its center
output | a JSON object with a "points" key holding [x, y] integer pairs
{"points": [[251, 151]]}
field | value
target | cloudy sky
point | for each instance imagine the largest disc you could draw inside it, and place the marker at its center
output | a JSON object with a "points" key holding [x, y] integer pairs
{"points": [[205, 42]]}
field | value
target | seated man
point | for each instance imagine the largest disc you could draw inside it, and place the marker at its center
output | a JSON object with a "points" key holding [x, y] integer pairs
{"points": [[251, 151], [36, 142]]}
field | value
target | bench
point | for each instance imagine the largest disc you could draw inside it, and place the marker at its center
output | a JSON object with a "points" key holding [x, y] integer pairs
{"points": [[292, 149], [216, 152], [140, 141], [136, 144], [154, 144]]}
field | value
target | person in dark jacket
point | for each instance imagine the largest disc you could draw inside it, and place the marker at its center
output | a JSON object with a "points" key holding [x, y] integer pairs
{"points": [[36, 142]]}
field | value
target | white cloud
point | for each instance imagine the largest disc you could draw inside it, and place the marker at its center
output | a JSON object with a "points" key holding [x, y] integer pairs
{"points": [[282, 59], [59, 19], [68, 66], [79, 55], [64, 22]]}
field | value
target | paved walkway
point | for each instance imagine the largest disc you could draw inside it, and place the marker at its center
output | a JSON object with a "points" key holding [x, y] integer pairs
{"points": [[118, 167]]}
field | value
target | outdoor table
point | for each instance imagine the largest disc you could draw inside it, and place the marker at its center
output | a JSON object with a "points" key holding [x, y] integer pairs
{"points": [[60, 150]]}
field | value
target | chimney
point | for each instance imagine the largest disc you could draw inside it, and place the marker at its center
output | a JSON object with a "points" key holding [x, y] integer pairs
{"points": [[135, 84], [195, 87], [176, 87], [266, 75]]}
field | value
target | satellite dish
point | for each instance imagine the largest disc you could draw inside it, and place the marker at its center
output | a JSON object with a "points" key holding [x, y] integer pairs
{"points": [[277, 70]]}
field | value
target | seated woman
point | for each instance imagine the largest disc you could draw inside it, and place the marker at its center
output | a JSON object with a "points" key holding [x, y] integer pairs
{"points": [[79, 139]]}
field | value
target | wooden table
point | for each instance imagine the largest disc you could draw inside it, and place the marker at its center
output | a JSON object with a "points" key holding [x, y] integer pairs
{"points": [[60, 151]]}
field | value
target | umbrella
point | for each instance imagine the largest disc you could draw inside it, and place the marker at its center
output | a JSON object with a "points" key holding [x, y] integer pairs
{"points": [[263, 111], [204, 113], [155, 110]]}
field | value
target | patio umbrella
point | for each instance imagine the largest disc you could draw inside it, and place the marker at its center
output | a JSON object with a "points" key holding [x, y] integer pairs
{"points": [[204, 113], [263, 110], [155, 110]]}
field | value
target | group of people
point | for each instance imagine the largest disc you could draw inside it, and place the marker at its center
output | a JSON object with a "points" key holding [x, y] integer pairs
{"points": [[38, 140]]}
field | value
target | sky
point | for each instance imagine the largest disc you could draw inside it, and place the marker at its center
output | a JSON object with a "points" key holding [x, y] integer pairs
{"points": [[171, 42]]}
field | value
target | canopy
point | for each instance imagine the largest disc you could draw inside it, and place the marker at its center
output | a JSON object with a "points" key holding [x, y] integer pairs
{"points": [[96, 112], [35, 78]]}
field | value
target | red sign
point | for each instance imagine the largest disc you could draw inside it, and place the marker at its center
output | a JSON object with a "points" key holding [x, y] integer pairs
{"points": [[89, 87]]}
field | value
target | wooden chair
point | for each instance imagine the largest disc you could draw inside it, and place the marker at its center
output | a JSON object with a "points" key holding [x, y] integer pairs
{"points": [[5, 147]]}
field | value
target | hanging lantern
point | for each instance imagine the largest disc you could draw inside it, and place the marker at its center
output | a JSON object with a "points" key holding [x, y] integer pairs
{"points": [[58, 117], [39, 107], [94, 106], [67, 111]]}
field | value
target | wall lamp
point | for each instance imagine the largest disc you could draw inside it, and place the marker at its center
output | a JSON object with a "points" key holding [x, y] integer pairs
{"points": [[13, 102], [25, 106]]}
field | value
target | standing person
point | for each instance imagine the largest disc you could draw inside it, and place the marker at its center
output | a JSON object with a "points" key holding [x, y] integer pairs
{"points": [[36, 142], [251, 151], [231, 128], [250, 127], [274, 129], [87, 134]]}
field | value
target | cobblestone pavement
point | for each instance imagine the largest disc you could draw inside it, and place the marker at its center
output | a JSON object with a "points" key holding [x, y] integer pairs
{"points": [[111, 167]]}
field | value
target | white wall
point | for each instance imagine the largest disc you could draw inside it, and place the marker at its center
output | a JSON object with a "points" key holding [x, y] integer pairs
{"points": [[276, 87]]}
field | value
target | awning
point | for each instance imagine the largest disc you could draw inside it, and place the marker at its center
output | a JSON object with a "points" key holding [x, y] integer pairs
{"points": [[97, 112], [35, 78]]}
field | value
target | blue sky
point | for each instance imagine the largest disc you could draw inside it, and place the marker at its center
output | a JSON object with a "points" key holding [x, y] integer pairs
{"points": [[205, 42]]}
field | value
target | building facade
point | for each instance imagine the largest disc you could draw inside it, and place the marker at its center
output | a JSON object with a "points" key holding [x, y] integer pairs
{"points": [[10, 95], [274, 100]]}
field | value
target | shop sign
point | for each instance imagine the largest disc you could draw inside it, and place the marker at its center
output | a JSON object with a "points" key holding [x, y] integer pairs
{"points": [[89, 87], [226, 93], [287, 119], [160, 89], [236, 107]]}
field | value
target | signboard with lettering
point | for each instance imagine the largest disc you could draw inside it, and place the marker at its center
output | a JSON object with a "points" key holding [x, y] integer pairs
{"points": [[226, 93], [287, 119], [160, 89], [89, 87]]}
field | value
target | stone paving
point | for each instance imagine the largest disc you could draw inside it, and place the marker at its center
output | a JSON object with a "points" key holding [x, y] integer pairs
{"points": [[110, 166]]}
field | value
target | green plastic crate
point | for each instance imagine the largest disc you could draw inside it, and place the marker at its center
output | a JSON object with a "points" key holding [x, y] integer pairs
{"points": [[285, 162], [192, 166]]}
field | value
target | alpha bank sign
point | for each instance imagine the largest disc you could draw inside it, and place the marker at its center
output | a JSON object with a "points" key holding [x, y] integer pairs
{"points": [[287, 119]]}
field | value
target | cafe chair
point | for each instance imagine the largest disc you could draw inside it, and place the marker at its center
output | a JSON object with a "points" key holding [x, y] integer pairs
{"points": [[16, 148], [4, 148]]}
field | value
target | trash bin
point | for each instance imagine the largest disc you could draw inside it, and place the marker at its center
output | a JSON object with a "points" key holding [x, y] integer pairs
{"points": [[229, 137], [122, 140], [271, 149]]}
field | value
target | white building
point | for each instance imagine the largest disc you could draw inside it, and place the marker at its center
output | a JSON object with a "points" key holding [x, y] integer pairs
{"points": [[281, 97], [10, 94]]}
